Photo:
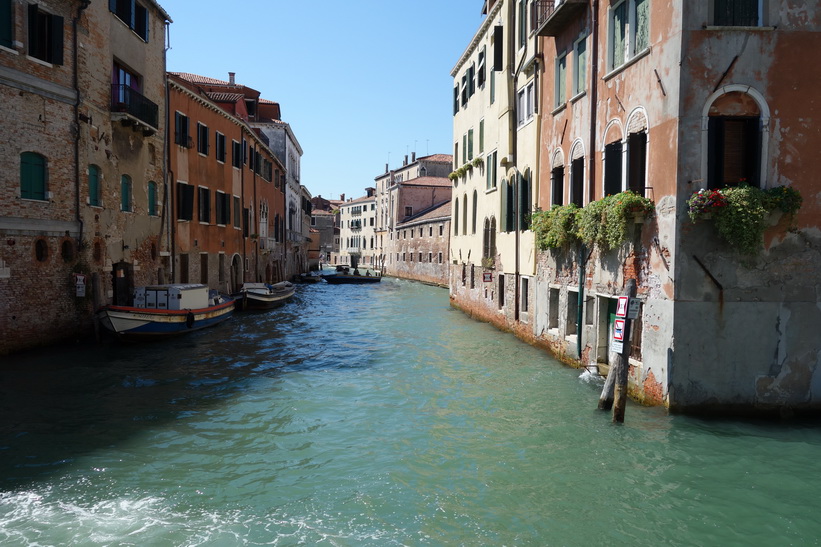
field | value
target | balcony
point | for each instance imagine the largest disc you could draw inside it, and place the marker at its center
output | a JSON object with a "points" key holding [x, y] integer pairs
{"points": [[550, 17], [131, 108]]}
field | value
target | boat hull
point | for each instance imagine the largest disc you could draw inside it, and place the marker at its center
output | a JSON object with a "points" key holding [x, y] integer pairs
{"points": [[260, 296], [144, 323], [347, 279]]}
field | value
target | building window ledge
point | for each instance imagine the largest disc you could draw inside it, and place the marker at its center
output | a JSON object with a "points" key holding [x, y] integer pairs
{"points": [[627, 64]]}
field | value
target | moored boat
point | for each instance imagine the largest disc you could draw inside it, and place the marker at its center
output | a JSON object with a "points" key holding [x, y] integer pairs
{"points": [[167, 310], [345, 276], [262, 296]]}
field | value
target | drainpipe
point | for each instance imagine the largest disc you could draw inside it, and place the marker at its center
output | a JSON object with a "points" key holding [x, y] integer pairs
{"points": [[166, 216], [76, 54], [594, 92]]}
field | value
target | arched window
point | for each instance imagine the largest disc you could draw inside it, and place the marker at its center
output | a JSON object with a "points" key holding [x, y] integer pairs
{"points": [[67, 251], [125, 193], [465, 214], [456, 218], [735, 139], [557, 180], [41, 250], [152, 198], [524, 201], [473, 219], [94, 186], [32, 176]]}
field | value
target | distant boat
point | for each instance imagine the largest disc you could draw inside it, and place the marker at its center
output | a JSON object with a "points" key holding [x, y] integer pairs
{"points": [[344, 276], [311, 277], [262, 296], [167, 310]]}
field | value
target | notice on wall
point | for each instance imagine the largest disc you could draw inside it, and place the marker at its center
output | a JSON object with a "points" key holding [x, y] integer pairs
{"points": [[621, 309], [80, 285], [487, 277]]}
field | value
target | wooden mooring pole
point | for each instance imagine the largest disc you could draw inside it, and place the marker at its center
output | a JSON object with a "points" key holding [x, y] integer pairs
{"points": [[614, 393]]}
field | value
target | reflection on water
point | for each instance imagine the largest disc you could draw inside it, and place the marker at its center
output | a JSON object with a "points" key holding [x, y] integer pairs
{"points": [[372, 416]]}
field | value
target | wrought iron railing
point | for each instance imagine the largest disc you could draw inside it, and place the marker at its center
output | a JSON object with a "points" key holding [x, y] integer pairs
{"points": [[542, 10], [128, 100]]}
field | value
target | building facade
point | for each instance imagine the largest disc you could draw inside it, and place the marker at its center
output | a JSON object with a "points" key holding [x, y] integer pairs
{"points": [[663, 99], [228, 200], [357, 235], [421, 246], [81, 214], [496, 122], [419, 185]]}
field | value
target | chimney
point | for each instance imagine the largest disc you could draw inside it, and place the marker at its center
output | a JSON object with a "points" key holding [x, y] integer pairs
{"points": [[342, 197], [231, 78], [386, 167], [413, 157], [406, 160]]}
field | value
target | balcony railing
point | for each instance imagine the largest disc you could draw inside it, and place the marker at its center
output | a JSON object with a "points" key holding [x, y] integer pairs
{"points": [[127, 100], [551, 16]]}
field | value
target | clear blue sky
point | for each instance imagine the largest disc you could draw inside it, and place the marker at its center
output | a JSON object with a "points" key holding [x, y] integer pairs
{"points": [[360, 82]]}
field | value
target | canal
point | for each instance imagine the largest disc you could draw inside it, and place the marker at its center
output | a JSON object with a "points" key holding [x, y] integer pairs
{"points": [[373, 416]]}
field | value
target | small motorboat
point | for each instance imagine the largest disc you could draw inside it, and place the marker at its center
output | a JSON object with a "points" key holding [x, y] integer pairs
{"points": [[344, 276], [262, 296], [310, 277], [166, 310]]}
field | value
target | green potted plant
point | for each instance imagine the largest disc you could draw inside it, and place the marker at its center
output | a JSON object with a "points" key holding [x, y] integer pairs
{"points": [[478, 162], [556, 227]]}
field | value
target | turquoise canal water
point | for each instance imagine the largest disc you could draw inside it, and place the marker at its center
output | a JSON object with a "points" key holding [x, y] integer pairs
{"points": [[373, 416]]}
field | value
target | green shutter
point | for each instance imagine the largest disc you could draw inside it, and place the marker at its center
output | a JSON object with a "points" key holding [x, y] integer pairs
{"points": [[32, 176], [619, 29], [152, 199], [56, 40], [94, 185]]}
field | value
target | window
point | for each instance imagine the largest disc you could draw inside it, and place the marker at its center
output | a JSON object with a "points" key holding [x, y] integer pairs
{"points": [[125, 193], [470, 144], [508, 203], [473, 218], [525, 103], [482, 71], [490, 170], [41, 250], [45, 36], [464, 148], [481, 136], [94, 186], [464, 90], [522, 19], [471, 80], [236, 154], [637, 162], [465, 214], [525, 286], [736, 13], [185, 201], [613, 168], [6, 23], [219, 140], [408, 211], [455, 100], [557, 185], [32, 176], [204, 205], [734, 145], [489, 238], [524, 201], [440, 257], [152, 198], [561, 80], [238, 212], [67, 251], [629, 31], [132, 14], [202, 138], [580, 66], [181, 135], [577, 181], [501, 291], [456, 217]]}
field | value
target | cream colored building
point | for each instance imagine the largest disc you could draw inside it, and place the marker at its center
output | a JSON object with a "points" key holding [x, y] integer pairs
{"points": [[357, 237], [495, 186]]}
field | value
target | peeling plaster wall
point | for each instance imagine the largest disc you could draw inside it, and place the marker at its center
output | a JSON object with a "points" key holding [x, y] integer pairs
{"points": [[746, 336]]}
